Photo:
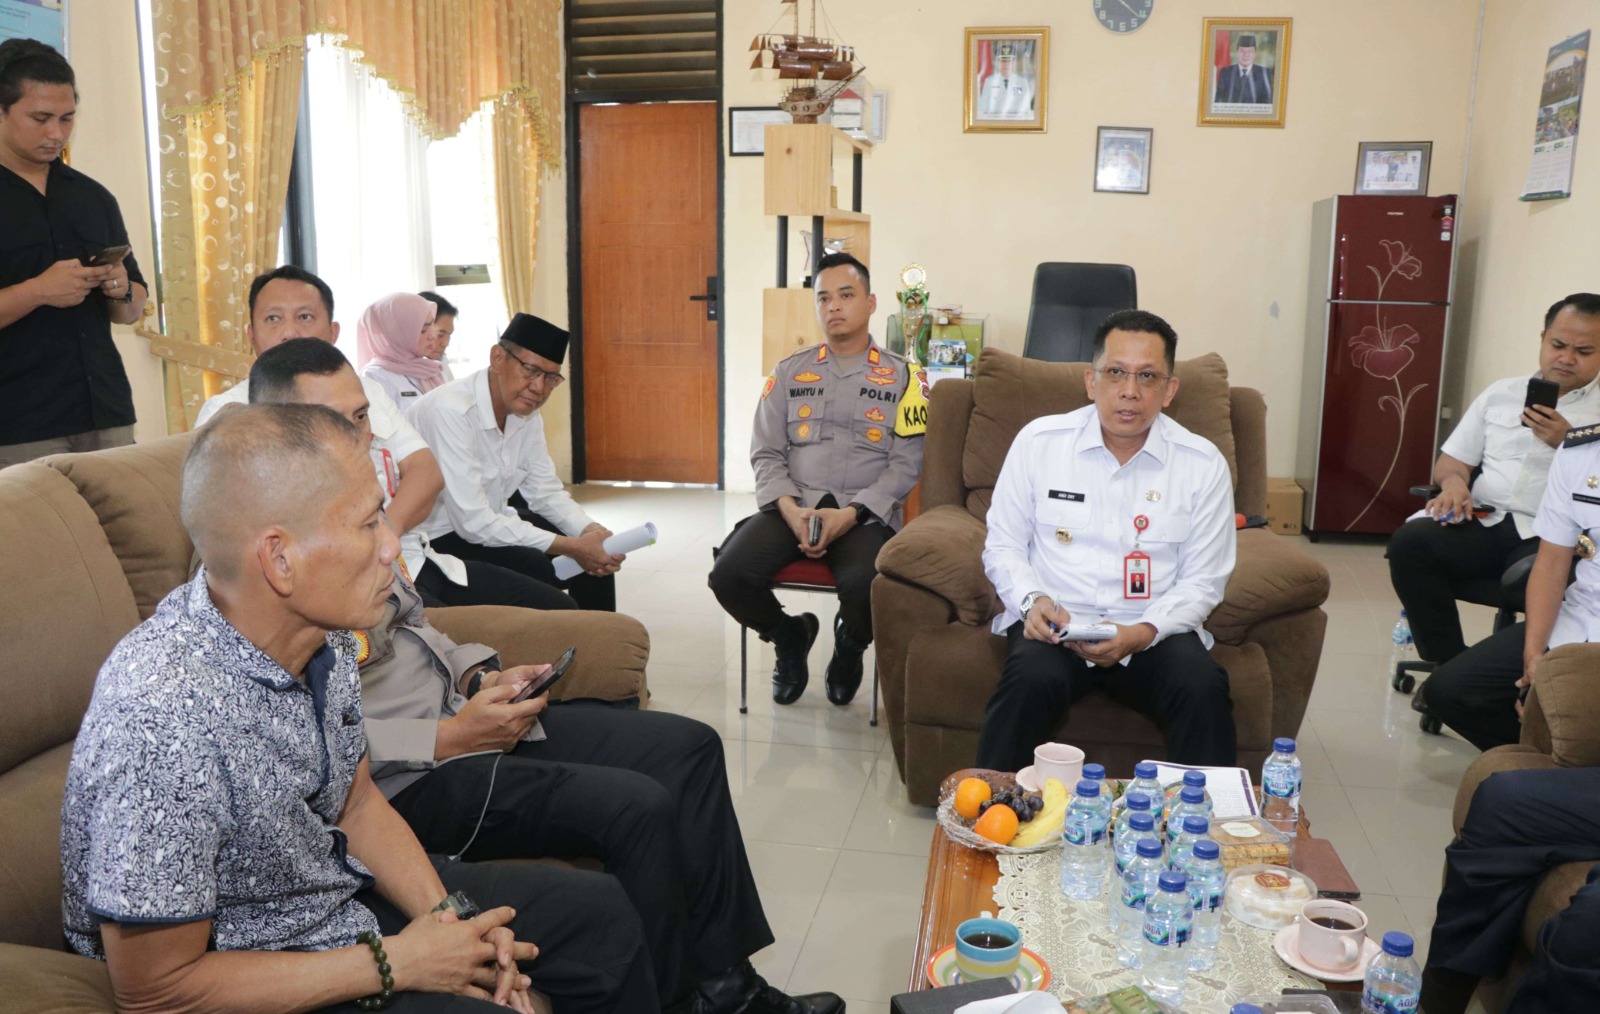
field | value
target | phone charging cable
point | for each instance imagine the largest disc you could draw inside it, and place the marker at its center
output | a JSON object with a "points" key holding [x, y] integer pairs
{"points": [[488, 795]]}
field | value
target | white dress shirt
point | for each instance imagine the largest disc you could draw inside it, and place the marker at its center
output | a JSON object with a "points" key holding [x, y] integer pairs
{"points": [[1060, 481], [1571, 507], [483, 466], [1515, 462], [401, 389]]}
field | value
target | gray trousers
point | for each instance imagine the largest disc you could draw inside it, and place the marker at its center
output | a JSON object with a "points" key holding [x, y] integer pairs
{"points": [[93, 440]]}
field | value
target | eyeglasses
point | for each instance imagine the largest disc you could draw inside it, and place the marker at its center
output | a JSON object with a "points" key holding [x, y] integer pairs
{"points": [[532, 372], [1144, 378]]}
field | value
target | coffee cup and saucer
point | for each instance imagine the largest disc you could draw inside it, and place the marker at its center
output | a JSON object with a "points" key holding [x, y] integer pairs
{"points": [[1052, 760], [988, 948], [1328, 941]]}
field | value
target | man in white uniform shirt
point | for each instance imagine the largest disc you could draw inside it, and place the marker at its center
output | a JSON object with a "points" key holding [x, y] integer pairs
{"points": [[1112, 514], [490, 439], [1429, 557]]}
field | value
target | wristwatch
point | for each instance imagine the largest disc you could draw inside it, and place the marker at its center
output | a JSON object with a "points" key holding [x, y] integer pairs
{"points": [[463, 906], [1027, 602], [862, 514], [475, 683]]}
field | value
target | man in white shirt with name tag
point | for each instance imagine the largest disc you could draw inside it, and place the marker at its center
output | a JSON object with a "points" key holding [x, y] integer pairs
{"points": [[1112, 514], [1430, 556]]}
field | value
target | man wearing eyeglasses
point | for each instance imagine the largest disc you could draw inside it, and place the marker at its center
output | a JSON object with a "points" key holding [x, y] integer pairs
{"points": [[1116, 515], [486, 432]]}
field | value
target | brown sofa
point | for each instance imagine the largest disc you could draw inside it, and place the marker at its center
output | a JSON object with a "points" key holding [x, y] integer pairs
{"points": [[1560, 728], [89, 544], [931, 603]]}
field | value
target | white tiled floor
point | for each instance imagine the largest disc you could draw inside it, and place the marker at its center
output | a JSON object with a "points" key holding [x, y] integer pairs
{"points": [[840, 856]]}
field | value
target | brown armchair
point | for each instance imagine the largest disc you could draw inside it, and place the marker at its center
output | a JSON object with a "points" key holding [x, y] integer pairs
{"points": [[931, 603]]}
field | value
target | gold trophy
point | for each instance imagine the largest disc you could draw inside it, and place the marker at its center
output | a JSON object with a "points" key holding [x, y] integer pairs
{"points": [[911, 416]]}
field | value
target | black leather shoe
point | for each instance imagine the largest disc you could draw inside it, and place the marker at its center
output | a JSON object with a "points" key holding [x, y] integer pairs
{"points": [[792, 638], [844, 669], [740, 990], [770, 1001]]}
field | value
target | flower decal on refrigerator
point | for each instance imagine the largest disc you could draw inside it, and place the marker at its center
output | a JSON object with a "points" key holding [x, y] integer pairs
{"points": [[1384, 352]]}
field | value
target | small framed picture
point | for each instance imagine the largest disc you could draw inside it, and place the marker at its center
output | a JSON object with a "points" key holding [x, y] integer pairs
{"points": [[1244, 72], [747, 128], [1393, 167], [1122, 160], [1007, 80]]}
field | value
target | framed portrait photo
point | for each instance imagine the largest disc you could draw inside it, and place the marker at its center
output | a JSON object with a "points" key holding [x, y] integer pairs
{"points": [[1244, 72], [1008, 80], [1122, 160], [1393, 167]]}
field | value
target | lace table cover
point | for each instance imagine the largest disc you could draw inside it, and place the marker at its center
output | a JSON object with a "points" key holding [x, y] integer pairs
{"points": [[1074, 938]]}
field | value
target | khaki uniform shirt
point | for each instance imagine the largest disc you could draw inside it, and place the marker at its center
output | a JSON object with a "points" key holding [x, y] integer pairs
{"points": [[826, 426]]}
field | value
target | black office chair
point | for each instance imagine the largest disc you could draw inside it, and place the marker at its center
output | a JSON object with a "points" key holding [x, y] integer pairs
{"points": [[1069, 302]]}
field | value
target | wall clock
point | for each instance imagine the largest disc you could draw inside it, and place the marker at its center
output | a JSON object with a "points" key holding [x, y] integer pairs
{"points": [[1123, 16]]}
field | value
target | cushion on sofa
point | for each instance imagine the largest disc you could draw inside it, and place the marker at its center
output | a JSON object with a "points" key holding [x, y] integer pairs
{"points": [[134, 491], [30, 863], [54, 981], [1566, 683], [1271, 576], [938, 551]]}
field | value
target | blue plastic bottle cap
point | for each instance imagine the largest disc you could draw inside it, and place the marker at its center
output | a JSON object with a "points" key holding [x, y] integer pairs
{"points": [[1144, 769], [1192, 794], [1150, 848], [1097, 772], [1195, 778], [1244, 1008], [1283, 744], [1088, 788], [1205, 848], [1137, 801], [1174, 881], [1397, 943], [1142, 821], [1196, 824]]}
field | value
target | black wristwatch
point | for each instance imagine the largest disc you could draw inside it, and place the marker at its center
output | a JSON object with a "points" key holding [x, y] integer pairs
{"points": [[862, 514], [475, 683], [463, 906]]}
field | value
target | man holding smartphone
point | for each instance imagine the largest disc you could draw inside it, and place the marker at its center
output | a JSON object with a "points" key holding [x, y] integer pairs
{"points": [[66, 274], [1475, 529]]}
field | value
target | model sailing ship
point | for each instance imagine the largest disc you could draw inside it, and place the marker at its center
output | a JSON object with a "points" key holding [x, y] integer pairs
{"points": [[819, 67]]}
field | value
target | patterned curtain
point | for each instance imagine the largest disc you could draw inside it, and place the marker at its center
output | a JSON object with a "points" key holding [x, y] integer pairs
{"points": [[516, 198], [228, 82]]}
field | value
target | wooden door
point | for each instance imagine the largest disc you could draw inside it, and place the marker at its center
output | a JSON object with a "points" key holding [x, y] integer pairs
{"points": [[648, 207]]}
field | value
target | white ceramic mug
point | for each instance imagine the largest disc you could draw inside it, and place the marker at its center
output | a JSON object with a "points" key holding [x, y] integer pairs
{"points": [[1060, 761], [1336, 949]]}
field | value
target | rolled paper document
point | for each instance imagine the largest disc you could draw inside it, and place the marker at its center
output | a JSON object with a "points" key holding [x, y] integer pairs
{"points": [[622, 542]]}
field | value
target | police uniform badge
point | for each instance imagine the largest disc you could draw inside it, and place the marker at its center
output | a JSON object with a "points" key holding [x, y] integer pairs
{"points": [[772, 381], [1585, 547], [1580, 435], [874, 434], [805, 412], [875, 414], [807, 377], [363, 646]]}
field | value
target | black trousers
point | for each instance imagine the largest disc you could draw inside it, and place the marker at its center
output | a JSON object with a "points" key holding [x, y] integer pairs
{"points": [[592, 955], [1475, 693], [1175, 681], [1521, 824], [1429, 561], [585, 590], [489, 585], [644, 792], [762, 544]]}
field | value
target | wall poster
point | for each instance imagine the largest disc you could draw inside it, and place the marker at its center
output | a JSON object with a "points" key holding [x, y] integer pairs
{"points": [[1555, 134], [43, 20]]}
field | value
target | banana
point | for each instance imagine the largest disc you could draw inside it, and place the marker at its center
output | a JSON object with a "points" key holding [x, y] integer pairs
{"points": [[1049, 821]]}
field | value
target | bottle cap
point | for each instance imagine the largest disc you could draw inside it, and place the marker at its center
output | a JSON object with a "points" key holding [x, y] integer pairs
{"points": [[1149, 848], [1144, 769], [1096, 772], [1244, 1008], [1397, 943], [1142, 821], [1137, 801], [1172, 880], [1192, 794], [1283, 744], [1088, 788], [1195, 778], [1196, 824], [1205, 848]]}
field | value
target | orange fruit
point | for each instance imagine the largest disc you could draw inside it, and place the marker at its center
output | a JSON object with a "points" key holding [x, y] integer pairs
{"points": [[970, 795], [998, 824]]}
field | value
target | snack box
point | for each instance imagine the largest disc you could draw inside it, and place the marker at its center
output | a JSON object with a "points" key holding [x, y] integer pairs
{"points": [[1247, 840], [1129, 1000]]}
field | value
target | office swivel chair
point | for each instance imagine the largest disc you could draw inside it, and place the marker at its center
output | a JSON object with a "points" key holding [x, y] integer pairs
{"points": [[1071, 300]]}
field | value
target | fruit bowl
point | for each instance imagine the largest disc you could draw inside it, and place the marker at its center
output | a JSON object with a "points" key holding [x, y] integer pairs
{"points": [[960, 829]]}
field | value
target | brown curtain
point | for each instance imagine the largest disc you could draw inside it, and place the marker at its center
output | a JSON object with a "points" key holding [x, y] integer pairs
{"points": [[516, 199]]}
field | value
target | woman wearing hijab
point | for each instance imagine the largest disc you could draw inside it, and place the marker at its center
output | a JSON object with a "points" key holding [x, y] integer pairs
{"points": [[393, 340]]}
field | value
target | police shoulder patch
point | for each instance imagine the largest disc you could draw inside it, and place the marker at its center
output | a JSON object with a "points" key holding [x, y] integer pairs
{"points": [[766, 389], [363, 646], [1580, 435]]}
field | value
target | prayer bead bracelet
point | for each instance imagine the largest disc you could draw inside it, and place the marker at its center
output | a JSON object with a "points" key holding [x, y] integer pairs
{"points": [[383, 998]]}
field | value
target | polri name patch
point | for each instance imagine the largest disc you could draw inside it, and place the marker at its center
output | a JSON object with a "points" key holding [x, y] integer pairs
{"points": [[1061, 494]]}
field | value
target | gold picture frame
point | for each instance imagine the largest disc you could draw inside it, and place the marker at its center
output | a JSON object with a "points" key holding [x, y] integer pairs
{"points": [[1242, 62], [1018, 102]]}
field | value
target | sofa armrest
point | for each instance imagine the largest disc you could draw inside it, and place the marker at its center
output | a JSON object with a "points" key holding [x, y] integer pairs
{"points": [[941, 551], [612, 648], [1272, 576], [1502, 758], [44, 980], [1564, 688]]}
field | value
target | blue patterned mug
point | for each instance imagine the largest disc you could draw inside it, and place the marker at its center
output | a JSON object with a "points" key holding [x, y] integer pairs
{"points": [[987, 948]]}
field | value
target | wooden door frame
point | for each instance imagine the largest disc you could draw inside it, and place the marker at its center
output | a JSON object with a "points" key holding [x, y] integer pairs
{"points": [[575, 250]]}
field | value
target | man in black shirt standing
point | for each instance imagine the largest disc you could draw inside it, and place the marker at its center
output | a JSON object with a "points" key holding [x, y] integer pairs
{"points": [[62, 384]]}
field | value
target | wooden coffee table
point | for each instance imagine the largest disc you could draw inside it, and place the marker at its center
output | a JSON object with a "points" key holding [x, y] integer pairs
{"points": [[960, 885]]}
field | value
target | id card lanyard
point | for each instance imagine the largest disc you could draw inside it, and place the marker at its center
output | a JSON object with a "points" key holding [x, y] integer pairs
{"points": [[1136, 576]]}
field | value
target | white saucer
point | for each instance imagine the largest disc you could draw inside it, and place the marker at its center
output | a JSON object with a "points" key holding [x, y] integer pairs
{"points": [[1026, 780], [1287, 944]]}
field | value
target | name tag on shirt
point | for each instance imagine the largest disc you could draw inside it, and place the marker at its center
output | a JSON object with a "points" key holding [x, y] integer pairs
{"points": [[1136, 575], [1586, 498], [1061, 494], [408, 394]]}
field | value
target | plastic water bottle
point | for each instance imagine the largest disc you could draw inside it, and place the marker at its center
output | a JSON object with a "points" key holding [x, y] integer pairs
{"points": [[1140, 880], [1280, 787], [1195, 829], [1401, 647], [1207, 879], [1145, 781], [1095, 773], [1168, 916], [1394, 981], [1083, 846], [1191, 802], [1134, 823]]}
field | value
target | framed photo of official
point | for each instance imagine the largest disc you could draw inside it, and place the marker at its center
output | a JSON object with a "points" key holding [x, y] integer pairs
{"points": [[1007, 80], [1393, 167], [1244, 72], [1122, 160]]}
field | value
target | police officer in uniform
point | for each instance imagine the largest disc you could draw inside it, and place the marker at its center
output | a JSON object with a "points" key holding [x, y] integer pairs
{"points": [[1112, 514], [825, 445]]}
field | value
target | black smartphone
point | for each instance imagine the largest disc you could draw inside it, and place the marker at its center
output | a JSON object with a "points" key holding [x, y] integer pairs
{"points": [[110, 255], [813, 529], [1541, 392], [557, 671]]}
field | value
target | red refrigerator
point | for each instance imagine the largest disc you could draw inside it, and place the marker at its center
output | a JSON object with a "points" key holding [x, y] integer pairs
{"points": [[1381, 270]]}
